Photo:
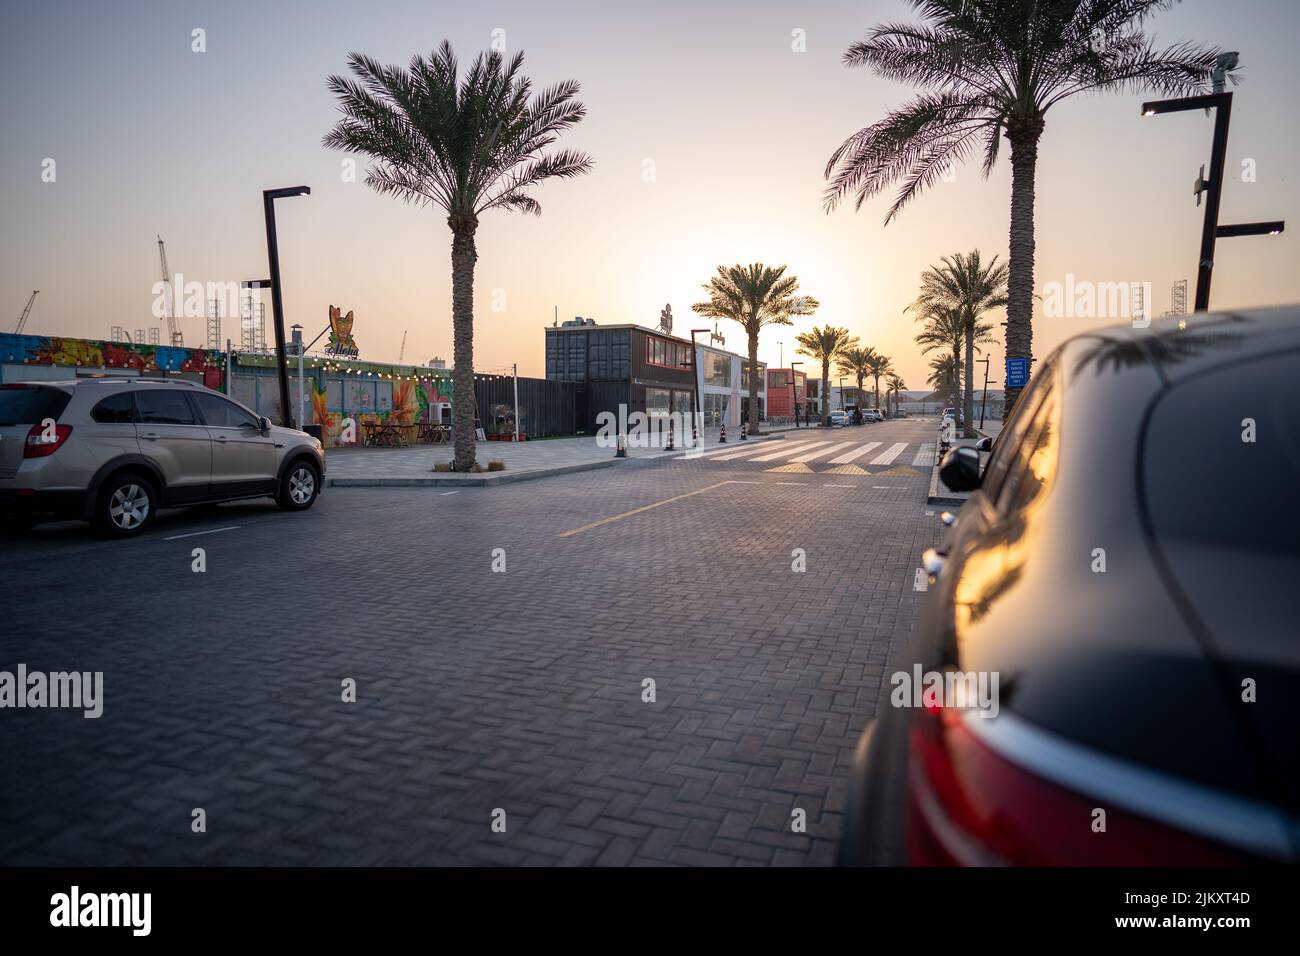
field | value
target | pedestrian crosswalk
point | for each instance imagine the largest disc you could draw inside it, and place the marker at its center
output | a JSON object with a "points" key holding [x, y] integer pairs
{"points": [[823, 456]]}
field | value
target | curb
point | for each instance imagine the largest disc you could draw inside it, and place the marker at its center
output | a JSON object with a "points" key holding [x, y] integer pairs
{"points": [[470, 481]]}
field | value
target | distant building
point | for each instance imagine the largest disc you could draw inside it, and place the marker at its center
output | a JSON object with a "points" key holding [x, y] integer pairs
{"points": [[647, 371], [787, 393]]}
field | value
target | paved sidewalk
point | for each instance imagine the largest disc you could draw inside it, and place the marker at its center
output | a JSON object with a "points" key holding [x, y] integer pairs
{"points": [[410, 467]]}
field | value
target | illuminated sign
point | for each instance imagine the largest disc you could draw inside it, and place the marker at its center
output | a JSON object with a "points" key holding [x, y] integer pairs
{"points": [[341, 342]]}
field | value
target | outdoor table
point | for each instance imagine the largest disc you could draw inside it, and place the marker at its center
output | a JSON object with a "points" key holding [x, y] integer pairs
{"points": [[386, 435], [434, 434]]}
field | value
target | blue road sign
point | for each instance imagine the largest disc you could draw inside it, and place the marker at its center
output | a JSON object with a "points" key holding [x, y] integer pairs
{"points": [[1017, 373]]}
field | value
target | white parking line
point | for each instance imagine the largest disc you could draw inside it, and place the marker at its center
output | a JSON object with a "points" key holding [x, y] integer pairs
{"points": [[785, 452], [889, 456], [925, 456], [813, 455], [195, 534], [921, 582], [858, 452], [441, 493]]}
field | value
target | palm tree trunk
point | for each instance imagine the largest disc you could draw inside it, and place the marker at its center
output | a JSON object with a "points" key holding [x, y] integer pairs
{"points": [[968, 398], [752, 416], [463, 255], [1023, 136]]}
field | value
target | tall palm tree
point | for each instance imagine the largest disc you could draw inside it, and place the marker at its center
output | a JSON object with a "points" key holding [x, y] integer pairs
{"points": [[894, 385], [945, 375], [990, 69], [827, 344], [754, 296], [465, 146], [963, 284], [944, 329], [879, 365], [856, 361]]}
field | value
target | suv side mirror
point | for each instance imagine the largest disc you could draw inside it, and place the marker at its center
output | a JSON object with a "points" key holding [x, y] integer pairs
{"points": [[264, 424], [984, 444], [960, 469]]}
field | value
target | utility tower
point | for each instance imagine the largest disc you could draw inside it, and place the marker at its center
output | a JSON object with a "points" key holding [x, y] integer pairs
{"points": [[1178, 298], [22, 319], [214, 325], [402, 354], [174, 336]]}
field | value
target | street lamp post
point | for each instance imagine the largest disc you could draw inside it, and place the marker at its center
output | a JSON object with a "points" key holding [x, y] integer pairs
{"points": [[794, 394], [699, 412], [269, 196], [984, 396], [1221, 103]]}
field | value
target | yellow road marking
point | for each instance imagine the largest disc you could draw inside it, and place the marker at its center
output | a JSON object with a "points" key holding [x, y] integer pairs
{"points": [[637, 511]]}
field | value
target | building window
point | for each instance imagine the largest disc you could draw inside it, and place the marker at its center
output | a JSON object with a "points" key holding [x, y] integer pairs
{"points": [[657, 401], [717, 370], [666, 353], [778, 379]]}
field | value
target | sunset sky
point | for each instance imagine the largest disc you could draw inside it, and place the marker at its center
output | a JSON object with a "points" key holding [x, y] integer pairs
{"points": [[151, 138]]}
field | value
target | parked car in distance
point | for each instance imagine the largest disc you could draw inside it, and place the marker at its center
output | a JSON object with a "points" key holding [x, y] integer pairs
{"points": [[1140, 690], [900, 413], [838, 419], [873, 415], [113, 451]]}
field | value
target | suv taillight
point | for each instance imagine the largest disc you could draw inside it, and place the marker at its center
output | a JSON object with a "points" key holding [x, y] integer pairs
{"points": [[39, 445], [970, 806]]}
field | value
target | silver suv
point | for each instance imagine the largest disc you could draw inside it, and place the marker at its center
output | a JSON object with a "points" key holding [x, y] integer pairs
{"points": [[114, 450]]}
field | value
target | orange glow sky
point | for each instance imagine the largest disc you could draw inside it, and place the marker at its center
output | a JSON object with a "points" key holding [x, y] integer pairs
{"points": [[152, 138]]}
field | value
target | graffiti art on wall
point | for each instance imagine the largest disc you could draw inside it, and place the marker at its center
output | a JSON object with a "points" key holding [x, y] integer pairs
{"points": [[93, 353]]}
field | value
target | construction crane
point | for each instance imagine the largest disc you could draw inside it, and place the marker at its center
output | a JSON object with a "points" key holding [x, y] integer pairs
{"points": [[173, 331], [402, 354], [22, 319]]}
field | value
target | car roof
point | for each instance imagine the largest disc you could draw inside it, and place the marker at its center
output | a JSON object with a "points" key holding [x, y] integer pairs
{"points": [[1181, 346]]}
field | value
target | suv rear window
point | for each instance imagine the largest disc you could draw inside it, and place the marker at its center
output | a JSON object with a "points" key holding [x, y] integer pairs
{"points": [[30, 405]]}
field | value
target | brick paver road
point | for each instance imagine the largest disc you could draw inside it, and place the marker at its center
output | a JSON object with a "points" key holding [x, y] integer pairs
{"points": [[476, 691]]}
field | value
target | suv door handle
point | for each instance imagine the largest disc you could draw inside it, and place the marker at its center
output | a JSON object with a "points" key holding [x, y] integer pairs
{"points": [[151, 436], [221, 438]]}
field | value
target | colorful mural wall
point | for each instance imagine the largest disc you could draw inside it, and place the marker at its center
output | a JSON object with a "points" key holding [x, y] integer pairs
{"points": [[92, 353]]}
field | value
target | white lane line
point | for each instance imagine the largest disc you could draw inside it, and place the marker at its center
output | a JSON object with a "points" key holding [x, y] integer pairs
{"points": [[858, 452], [921, 582], [441, 493], [785, 452], [195, 534], [760, 447], [925, 456], [887, 457], [829, 485], [789, 482], [813, 455]]}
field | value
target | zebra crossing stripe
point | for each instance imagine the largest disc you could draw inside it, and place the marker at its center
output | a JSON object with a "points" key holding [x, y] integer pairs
{"points": [[787, 448], [815, 454], [888, 457], [858, 452], [785, 452], [925, 456]]}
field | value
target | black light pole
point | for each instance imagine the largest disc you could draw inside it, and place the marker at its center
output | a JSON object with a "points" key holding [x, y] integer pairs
{"points": [[984, 397], [794, 394], [699, 412], [269, 196], [1221, 103]]}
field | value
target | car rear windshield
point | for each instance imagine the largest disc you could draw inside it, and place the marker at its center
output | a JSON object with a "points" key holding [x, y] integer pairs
{"points": [[31, 404]]}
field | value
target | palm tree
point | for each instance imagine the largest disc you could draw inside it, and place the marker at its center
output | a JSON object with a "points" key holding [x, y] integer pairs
{"points": [[879, 365], [754, 296], [856, 361], [965, 285], [944, 328], [945, 375], [826, 344], [465, 146], [993, 68], [895, 385]]}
